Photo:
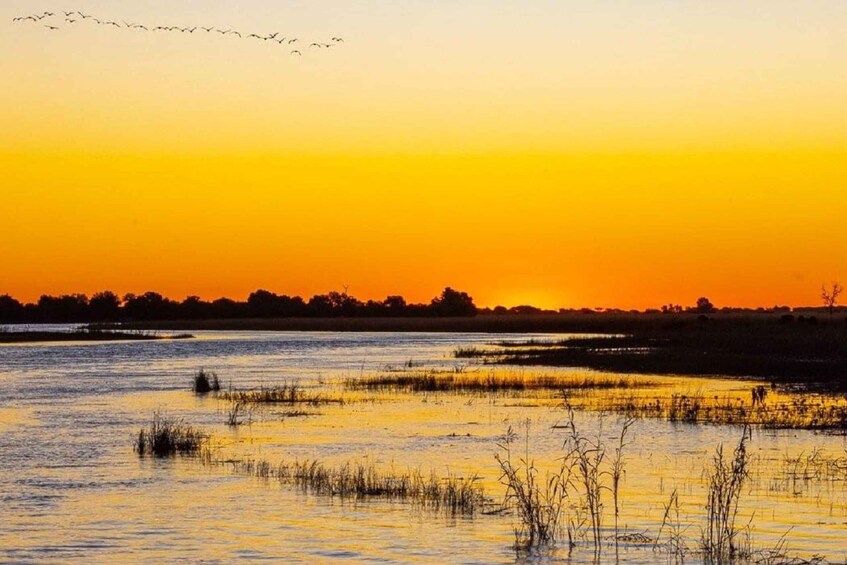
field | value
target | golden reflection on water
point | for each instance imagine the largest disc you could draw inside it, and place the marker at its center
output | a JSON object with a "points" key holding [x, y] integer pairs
{"points": [[229, 516], [457, 434]]}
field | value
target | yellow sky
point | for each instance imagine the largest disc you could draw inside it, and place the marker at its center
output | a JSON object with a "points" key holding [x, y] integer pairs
{"points": [[564, 154]]}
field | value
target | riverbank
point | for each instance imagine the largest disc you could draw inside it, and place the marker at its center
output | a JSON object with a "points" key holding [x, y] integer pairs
{"points": [[83, 336]]}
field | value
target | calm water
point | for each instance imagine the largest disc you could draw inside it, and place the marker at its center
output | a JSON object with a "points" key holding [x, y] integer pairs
{"points": [[72, 489]]}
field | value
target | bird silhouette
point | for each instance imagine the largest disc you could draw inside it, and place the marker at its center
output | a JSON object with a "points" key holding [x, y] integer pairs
{"points": [[296, 52], [318, 45], [51, 27]]}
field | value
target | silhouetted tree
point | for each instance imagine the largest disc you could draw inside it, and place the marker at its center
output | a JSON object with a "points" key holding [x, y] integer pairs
{"points": [[830, 296], [149, 306], [320, 306], [104, 306], [194, 308], [11, 311], [63, 309], [704, 306], [453, 303], [394, 304]]}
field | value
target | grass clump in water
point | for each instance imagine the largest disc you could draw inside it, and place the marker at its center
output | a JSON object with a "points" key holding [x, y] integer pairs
{"points": [[456, 495], [166, 437], [282, 394], [205, 382]]}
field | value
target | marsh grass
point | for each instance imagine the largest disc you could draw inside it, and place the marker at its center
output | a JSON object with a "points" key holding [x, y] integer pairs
{"points": [[675, 543], [166, 437], [568, 500], [491, 382], [796, 411], [285, 393], [205, 382], [453, 494], [721, 540], [238, 414], [540, 504]]}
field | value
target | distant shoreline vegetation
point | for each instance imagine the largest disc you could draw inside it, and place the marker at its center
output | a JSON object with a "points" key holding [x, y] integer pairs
{"points": [[107, 306], [85, 334]]}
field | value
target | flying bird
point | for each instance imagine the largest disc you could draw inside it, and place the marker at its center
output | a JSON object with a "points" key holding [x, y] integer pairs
{"points": [[207, 29], [290, 41], [70, 21], [51, 27], [338, 40], [296, 52], [318, 45]]}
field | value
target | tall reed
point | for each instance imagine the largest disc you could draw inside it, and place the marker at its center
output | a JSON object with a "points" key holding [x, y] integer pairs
{"points": [[720, 540]]}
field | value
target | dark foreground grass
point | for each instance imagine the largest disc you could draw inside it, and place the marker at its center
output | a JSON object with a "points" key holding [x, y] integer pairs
{"points": [[812, 356], [166, 437]]}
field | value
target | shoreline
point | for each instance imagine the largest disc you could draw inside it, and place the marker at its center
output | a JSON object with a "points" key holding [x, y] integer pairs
{"points": [[82, 336]]}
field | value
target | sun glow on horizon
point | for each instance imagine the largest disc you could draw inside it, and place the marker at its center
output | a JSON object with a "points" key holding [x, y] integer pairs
{"points": [[619, 156]]}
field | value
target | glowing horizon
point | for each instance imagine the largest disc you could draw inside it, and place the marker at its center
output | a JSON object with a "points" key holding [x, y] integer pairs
{"points": [[560, 154]]}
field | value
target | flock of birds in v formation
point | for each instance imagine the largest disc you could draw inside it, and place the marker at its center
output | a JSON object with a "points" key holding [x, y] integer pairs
{"points": [[47, 19]]}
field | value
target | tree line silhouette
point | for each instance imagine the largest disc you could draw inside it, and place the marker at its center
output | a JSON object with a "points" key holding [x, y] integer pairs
{"points": [[109, 307]]}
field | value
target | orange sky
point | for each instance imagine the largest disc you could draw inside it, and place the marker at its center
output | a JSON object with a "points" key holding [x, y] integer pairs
{"points": [[568, 154]]}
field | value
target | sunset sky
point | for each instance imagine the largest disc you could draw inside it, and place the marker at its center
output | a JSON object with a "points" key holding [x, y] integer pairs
{"points": [[564, 154]]}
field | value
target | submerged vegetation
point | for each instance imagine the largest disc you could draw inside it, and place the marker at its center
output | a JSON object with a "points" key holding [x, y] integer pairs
{"points": [[166, 437]]}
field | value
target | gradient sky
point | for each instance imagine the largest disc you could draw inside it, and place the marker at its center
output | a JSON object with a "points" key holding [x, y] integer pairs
{"points": [[559, 153]]}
